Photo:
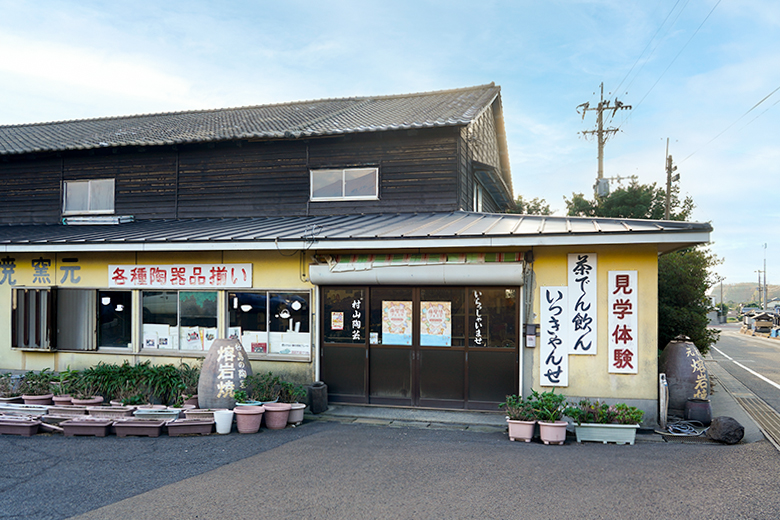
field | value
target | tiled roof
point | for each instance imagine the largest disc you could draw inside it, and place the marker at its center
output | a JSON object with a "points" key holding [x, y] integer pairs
{"points": [[299, 119], [456, 229]]}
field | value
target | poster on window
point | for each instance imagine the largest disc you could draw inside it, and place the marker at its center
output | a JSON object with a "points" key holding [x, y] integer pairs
{"points": [[336, 321], [396, 323], [583, 319], [436, 324], [290, 343], [622, 322], [553, 341]]}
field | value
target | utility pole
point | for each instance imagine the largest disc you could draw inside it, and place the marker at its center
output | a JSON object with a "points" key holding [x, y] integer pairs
{"points": [[602, 185], [764, 277], [760, 291], [669, 179]]}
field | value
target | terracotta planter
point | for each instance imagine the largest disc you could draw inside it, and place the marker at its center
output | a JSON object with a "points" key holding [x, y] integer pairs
{"points": [[167, 414], [190, 427], [276, 415], [68, 411], [39, 400], [553, 432], [204, 414], [24, 428], [296, 414], [12, 400], [139, 427], [62, 400], [85, 427], [521, 430], [248, 418], [192, 400], [92, 401], [110, 412]]}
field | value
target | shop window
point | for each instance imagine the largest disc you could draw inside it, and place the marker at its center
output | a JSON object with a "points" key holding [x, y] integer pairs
{"points": [[85, 197], [268, 322], [345, 184], [492, 317], [344, 317], [179, 320], [32, 315], [114, 319]]}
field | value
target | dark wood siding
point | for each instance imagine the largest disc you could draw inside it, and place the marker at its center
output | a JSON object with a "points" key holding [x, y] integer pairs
{"points": [[30, 191], [419, 170]]}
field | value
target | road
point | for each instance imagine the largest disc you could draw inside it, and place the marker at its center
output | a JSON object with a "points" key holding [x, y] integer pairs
{"points": [[753, 360]]}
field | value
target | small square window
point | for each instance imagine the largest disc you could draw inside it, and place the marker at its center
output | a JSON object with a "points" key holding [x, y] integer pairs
{"points": [[349, 184], [94, 196]]}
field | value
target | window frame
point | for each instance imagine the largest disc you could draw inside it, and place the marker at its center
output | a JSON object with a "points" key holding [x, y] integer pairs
{"points": [[91, 183], [344, 171]]}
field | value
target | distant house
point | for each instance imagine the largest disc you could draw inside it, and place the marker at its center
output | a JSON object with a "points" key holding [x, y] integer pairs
{"points": [[360, 241]]}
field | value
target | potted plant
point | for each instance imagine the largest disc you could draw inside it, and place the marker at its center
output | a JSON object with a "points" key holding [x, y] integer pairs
{"points": [[248, 418], [8, 391], [190, 375], [84, 393], [293, 394], [263, 387], [62, 385], [520, 416], [548, 409], [601, 422], [36, 388]]}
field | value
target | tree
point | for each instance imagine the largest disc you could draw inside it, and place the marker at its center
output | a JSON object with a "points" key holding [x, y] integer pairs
{"points": [[683, 276], [535, 206]]}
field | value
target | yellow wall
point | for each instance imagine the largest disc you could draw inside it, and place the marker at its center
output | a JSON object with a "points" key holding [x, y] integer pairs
{"points": [[270, 270], [588, 374]]}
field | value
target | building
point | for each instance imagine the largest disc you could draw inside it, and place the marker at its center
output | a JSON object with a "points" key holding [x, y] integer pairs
{"points": [[359, 241]]}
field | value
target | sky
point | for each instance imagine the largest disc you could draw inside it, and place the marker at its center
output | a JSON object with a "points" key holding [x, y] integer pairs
{"points": [[703, 74]]}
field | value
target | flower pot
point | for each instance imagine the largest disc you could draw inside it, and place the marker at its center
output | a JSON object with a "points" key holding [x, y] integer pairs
{"points": [[12, 400], [111, 412], [190, 427], [90, 401], [167, 414], [224, 421], [204, 414], [192, 400], [39, 400], [617, 433], [276, 415], [248, 418], [139, 427], [85, 427], [62, 400], [521, 430], [23, 409], [296, 413], [23, 427], [68, 411], [553, 432]]}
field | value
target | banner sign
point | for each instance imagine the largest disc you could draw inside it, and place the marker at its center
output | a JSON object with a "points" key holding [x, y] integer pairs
{"points": [[181, 276], [622, 322], [583, 318], [554, 351]]}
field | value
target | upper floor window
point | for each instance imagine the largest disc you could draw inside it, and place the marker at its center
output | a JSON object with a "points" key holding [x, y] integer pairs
{"points": [[349, 183], [477, 204], [93, 196]]}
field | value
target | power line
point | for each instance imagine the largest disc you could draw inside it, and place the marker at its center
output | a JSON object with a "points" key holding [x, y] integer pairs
{"points": [[737, 121]]}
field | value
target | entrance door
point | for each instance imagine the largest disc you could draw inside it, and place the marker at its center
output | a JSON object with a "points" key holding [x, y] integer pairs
{"points": [[440, 347]]}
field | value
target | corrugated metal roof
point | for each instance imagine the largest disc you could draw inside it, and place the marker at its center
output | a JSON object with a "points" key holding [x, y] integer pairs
{"points": [[456, 229], [288, 120]]}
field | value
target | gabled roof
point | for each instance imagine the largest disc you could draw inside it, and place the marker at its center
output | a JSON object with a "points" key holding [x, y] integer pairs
{"points": [[287, 120], [354, 232]]}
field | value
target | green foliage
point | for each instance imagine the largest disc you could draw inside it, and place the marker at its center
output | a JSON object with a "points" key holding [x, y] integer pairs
{"points": [[8, 386], [683, 304], [37, 383], [291, 393], [240, 396], [535, 206], [190, 375], [548, 406], [262, 387], [683, 277], [519, 408], [597, 412]]}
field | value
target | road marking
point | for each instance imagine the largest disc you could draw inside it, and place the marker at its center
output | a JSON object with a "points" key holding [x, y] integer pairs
{"points": [[746, 368]]}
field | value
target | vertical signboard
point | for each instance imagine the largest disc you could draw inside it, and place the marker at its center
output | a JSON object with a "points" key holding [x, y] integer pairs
{"points": [[554, 351], [622, 322], [583, 318]]}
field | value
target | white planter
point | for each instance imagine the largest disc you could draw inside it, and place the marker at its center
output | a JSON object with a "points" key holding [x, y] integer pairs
{"points": [[521, 430], [617, 433], [296, 413], [224, 420]]}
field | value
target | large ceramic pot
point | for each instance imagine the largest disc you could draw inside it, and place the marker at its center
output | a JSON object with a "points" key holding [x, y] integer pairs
{"points": [[248, 418], [276, 415], [521, 430], [552, 432], [686, 374]]}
